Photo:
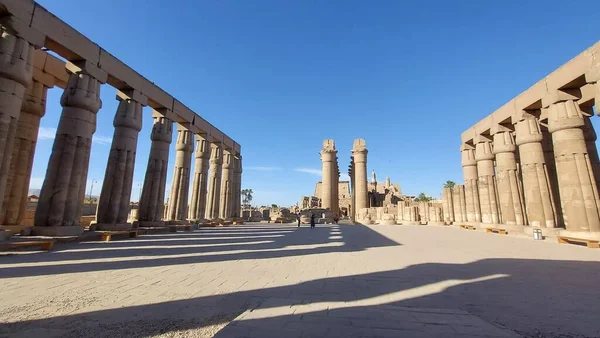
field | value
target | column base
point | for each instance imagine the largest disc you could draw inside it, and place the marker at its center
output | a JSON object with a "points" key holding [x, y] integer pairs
{"points": [[546, 232], [436, 223], [594, 236], [411, 222], [62, 231], [150, 224], [17, 229], [387, 222], [113, 227], [177, 222], [5, 235]]}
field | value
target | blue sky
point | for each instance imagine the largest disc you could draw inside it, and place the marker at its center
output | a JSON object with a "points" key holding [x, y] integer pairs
{"points": [[281, 76]]}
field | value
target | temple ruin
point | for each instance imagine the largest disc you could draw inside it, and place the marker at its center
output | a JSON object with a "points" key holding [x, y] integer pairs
{"points": [[27, 71], [533, 163]]}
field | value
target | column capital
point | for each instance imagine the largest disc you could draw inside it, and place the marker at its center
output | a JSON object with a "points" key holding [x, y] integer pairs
{"points": [[528, 130], [132, 94], [17, 61], [162, 130], [83, 91], [504, 142], [467, 155], [185, 140], [564, 115], [202, 147], [129, 114]]}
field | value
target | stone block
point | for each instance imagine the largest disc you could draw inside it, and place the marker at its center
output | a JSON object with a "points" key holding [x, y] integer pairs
{"points": [[113, 227], [61, 231]]}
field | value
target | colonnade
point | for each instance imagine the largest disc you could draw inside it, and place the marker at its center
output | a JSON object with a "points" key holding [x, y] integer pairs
{"points": [[533, 163], [27, 72]]}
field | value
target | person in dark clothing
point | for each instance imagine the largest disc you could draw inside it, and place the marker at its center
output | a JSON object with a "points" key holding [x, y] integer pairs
{"points": [[312, 221], [298, 219]]}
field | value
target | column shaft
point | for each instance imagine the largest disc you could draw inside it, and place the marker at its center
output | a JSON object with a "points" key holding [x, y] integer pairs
{"points": [[226, 185], [19, 175], [448, 205], [459, 203], [16, 56], [214, 182], [181, 175], [576, 182], [199, 185], [63, 191], [537, 189], [359, 152], [328, 155], [115, 196], [486, 181], [470, 179], [237, 194], [153, 192], [507, 178]]}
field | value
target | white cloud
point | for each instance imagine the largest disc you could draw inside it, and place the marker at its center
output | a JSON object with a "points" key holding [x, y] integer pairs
{"points": [[344, 177], [36, 182], [316, 172], [46, 133], [263, 168], [99, 139]]}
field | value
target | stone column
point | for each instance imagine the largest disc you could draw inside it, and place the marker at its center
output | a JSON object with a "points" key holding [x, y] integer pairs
{"points": [[237, 191], [199, 185], [537, 189], [448, 205], [590, 141], [470, 179], [180, 185], [486, 180], [328, 155], [459, 203], [507, 177], [214, 181], [16, 55], [115, 197], [576, 182], [61, 198], [19, 175], [359, 152], [226, 170], [152, 201]]}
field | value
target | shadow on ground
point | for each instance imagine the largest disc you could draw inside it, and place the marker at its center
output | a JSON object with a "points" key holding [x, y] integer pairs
{"points": [[526, 296]]}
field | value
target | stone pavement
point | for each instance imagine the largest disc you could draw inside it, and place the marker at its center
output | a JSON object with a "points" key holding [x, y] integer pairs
{"points": [[278, 280]]}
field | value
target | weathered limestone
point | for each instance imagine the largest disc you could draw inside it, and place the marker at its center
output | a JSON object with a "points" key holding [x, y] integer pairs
{"points": [[590, 141], [237, 190], [328, 156], [19, 175], [226, 185], [200, 182], [486, 181], [115, 197], [214, 181], [181, 176], [577, 185], [539, 203], [360, 190], [469, 165], [507, 177], [63, 191], [448, 205], [153, 192], [16, 55], [459, 206], [410, 215]]}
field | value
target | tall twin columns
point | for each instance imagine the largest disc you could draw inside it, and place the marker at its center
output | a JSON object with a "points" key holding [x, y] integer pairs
{"points": [[533, 175]]}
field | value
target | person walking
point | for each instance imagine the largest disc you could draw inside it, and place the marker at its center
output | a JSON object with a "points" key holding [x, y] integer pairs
{"points": [[298, 219], [312, 221]]}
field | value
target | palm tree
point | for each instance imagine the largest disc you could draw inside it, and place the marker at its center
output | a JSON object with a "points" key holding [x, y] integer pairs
{"points": [[449, 184], [422, 198], [247, 196]]}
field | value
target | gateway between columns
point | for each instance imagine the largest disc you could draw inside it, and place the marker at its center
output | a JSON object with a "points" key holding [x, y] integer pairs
{"points": [[26, 74]]}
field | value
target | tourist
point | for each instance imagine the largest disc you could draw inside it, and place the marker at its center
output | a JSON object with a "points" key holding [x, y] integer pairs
{"points": [[298, 219], [312, 221]]}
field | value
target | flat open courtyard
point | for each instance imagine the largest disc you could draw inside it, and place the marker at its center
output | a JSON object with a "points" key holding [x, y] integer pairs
{"points": [[264, 280]]}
